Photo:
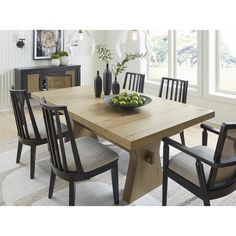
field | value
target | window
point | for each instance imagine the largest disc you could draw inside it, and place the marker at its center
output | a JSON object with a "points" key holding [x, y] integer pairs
{"points": [[206, 58], [175, 54], [226, 62], [186, 56], [158, 64]]}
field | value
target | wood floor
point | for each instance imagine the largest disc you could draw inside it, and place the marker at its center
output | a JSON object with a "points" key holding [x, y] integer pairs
{"points": [[8, 130]]}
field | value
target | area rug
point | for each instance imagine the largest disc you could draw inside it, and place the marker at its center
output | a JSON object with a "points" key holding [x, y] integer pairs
{"points": [[16, 188]]}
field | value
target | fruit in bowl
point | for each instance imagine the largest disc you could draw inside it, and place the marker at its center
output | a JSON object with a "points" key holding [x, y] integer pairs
{"points": [[128, 100]]}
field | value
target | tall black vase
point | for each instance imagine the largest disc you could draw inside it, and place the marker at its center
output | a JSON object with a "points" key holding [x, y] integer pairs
{"points": [[107, 81], [115, 87], [97, 85]]}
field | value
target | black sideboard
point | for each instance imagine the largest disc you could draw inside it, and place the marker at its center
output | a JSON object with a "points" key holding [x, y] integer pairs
{"points": [[35, 79]]}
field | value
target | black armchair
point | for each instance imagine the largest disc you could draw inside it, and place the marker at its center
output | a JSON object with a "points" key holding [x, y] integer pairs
{"points": [[207, 173]]}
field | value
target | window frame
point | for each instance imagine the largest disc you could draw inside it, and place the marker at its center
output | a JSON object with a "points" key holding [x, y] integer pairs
{"points": [[210, 75]]}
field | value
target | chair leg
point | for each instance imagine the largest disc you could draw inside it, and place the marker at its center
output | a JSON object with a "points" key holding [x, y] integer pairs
{"points": [[204, 137], [19, 151], [182, 137], [115, 183], [164, 188], [202, 181], [71, 193], [206, 201], [165, 176], [32, 161], [52, 184]]}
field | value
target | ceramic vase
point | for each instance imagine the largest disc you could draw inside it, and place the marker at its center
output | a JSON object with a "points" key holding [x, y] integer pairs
{"points": [[115, 87], [64, 61], [55, 62], [107, 80], [97, 85]]}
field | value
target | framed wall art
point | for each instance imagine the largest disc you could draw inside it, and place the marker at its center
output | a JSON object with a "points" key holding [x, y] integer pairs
{"points": [[46, 42]]}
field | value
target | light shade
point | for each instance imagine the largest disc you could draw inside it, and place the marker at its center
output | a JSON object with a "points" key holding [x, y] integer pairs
{"points": [[133, 36]]}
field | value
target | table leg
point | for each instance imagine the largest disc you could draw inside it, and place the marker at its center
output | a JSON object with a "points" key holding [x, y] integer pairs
{"points": [[144, 172], [79, 131]]}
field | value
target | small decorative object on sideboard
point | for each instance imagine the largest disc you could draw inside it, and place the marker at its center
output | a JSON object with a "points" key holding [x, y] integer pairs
{"points": [[64, 59], [55, 59], [97, 85], [60, 58], [120, 67], [105, 55]]}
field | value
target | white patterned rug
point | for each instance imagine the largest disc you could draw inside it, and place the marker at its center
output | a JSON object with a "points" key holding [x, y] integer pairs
{"points": [[16, 188]]}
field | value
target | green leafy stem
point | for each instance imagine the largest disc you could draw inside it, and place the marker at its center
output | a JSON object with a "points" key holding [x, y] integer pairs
{"points": [[103, 53], [121, 66]]}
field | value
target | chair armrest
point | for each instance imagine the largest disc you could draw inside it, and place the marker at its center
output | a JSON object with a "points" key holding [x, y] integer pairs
{"points": [[188, 151], [209, 128], [227, 162]]}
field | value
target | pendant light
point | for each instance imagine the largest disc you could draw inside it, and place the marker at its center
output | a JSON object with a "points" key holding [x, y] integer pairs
{"points": [[129, 37]]}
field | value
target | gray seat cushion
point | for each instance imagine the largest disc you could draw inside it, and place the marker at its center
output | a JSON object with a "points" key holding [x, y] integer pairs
{"points": [[92, 154], [184, 165], [42, 130]]}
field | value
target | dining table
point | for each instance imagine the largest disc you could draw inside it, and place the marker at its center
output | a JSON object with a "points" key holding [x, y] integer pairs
{"points": [[138, 131]]}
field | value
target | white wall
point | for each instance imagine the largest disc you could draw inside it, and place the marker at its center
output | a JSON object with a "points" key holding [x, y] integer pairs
{"points": [[13, 57]]}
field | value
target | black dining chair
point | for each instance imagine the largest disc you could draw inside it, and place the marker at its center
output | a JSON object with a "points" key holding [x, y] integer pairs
{"points": [[176, 90], [134, 82], [78, 159], [207, 173], [31, 132]]}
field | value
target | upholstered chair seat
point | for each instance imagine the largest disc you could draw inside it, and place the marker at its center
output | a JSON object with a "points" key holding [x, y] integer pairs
{"points": [[184, 165], [92, 154], [42, 129]]}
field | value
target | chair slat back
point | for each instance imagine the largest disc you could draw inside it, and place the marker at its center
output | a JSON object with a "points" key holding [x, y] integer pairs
{"points": [[22, 110], [225, 149], [53, 116], [174, 89], [134, 82]]}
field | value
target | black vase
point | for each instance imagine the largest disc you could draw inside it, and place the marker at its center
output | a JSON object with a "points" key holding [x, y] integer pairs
{"points": [[97, 85], [107, 80], [115, 87]]}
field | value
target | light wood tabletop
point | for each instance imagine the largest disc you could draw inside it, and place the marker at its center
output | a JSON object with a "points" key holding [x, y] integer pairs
{"points": [[138, 131]]}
